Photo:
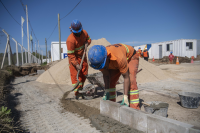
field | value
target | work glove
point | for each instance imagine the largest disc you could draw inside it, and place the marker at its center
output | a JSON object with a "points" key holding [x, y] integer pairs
{"points": [[106, 95], [125, 101]]}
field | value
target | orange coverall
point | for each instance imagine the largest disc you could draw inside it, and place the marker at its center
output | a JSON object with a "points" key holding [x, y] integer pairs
{"points": [[139, 52], [121, 59], [75, 50]]}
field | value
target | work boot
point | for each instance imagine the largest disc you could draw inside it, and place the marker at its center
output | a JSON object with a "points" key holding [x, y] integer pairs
{"points": [[79, 95], [125, 101], [106, 95]]}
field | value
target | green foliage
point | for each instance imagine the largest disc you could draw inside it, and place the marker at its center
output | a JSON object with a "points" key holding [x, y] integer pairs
{"points": [[44, 63], [4, 114]]}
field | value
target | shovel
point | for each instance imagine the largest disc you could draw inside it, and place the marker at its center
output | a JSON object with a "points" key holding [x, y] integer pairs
{"points": [[77, 83]]}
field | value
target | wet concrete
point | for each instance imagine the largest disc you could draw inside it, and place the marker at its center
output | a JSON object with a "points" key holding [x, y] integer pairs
{"points": [[99, 121]]}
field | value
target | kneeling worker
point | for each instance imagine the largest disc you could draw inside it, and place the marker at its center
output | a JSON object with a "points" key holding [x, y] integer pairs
{"points": [[113, 61]]}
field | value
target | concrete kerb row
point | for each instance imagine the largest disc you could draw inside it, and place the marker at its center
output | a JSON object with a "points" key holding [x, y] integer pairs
{"points": [[143, 121]]}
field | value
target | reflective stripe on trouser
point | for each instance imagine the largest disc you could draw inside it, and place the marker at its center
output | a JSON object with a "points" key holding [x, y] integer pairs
{"points": [[112, 92], [133, 92], [83, 72], [79, 87]]}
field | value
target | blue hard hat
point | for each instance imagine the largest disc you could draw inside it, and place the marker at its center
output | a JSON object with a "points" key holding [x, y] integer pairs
{"points": [[97, 56], [171, 52], [139, 48], [76, 26]]}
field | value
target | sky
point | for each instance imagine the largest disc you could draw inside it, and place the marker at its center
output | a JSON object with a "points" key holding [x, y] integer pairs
{"points": [[133, 22]]}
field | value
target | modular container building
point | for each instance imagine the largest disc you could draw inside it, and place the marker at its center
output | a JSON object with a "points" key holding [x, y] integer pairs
{"points": [[55, 50], [181, 47]]}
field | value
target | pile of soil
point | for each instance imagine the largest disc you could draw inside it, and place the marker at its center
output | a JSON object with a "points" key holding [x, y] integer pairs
{"points": [[165, 60], [60, 74], [99, 121], [198, 58]]}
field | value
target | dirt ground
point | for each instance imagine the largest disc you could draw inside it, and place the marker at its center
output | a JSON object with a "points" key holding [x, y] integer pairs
{"points": [[99, 121], [39, 98], [185, 77]]}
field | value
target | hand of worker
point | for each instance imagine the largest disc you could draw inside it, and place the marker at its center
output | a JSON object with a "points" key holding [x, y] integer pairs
{"points": [[78, 67]]}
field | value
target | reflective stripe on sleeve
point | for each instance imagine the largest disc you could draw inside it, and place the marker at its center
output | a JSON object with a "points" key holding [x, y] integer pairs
{"points": [[81, 47], [88, 38], [70, 51]]}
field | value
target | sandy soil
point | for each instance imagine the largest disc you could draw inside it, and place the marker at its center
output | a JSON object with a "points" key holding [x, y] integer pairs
{"points": [[166, 91]]}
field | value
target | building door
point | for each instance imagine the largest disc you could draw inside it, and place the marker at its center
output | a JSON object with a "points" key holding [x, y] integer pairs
{"points": [[160, 51]]}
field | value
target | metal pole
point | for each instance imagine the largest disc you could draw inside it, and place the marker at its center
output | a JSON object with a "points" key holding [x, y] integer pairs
{"points": [[42, 55], [38, 49], [22, 53], [16, 52], [27, 34], [5, 48], [46, 48], [22, 40], [59, 36]]}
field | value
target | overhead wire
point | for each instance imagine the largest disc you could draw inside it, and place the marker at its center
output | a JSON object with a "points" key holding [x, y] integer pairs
{"points": [[65, 16], [9, 13], [12, 17]]}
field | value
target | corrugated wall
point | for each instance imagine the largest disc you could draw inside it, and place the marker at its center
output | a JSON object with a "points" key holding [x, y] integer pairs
{"points": [[198, 47], [179, 48]]}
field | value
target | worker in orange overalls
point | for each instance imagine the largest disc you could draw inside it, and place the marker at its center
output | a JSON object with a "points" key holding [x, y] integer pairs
{"points": [[146, 54], [113, 61], [75, 48], [139, 52]]}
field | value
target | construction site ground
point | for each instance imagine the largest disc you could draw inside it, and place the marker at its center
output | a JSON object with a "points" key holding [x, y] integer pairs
{"points": [[42, 108]]}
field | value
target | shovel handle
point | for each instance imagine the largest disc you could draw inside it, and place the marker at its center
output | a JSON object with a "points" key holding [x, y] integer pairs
{"points": [[145, 103]]}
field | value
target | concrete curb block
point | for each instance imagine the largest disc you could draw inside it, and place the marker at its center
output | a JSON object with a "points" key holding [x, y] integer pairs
{"points": [[39, 72], [110, 109], [143, 121]]}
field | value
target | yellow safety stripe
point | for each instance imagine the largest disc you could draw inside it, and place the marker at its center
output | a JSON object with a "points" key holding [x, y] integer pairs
{"points": [[81, 47], [112, 89], [75, 90], [127, 50], [76, 49], [81, 83], [70, 51], [112, 97], [88, 38], [133, 92], [134, 101]]}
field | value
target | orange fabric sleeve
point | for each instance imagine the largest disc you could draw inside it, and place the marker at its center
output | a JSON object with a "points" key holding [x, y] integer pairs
{"points": [[71, 52]]}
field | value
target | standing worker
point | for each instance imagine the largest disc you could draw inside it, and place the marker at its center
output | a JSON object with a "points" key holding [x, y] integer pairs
{"points": [[146, 54], [171, 57], [75, 48], [139, 51], [113, 61]]}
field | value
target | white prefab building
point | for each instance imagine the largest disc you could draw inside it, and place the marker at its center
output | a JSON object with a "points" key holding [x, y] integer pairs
{"points": [[55, 51], [181, 47]]}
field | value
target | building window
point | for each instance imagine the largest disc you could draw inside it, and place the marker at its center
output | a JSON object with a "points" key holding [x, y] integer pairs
{"points": [[189, 45], [170, 47]]}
